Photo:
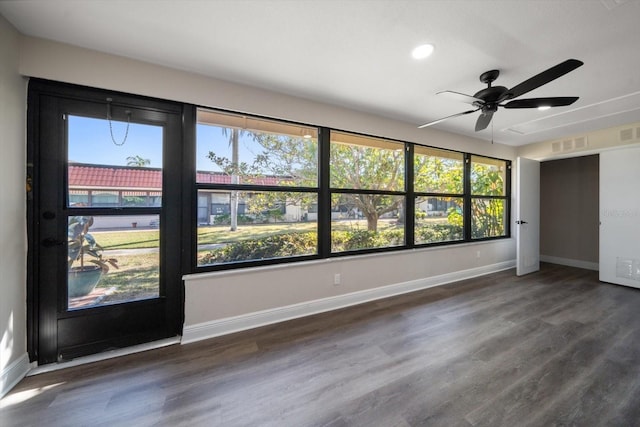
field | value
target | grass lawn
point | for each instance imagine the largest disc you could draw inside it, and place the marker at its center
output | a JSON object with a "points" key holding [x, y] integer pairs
{"points": [[130, 239], [136, 278], [135, 239], [222, 234], [127, 239]]}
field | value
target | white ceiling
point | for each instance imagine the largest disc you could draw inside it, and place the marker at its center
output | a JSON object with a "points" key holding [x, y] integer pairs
{"points": [[356, 53]]}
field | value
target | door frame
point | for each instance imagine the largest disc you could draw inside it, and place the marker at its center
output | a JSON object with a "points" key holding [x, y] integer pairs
{"points": [[41, 327]]}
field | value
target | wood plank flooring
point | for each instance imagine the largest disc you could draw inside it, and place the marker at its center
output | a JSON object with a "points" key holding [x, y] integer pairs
{"points": [[555, 347]]}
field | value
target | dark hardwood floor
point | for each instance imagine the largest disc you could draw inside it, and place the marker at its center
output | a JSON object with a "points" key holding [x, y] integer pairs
{"points": [[555, 347]]}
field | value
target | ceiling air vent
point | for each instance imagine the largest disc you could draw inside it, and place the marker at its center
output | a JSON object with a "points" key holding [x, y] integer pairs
{"points": [[580, 143], [626, 135]]}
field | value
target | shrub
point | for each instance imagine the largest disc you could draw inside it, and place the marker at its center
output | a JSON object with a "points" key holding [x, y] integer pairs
{"points": [[434, 233], [420, 214], [225, 219], [276, 246], [296, 244], [349, 240]]}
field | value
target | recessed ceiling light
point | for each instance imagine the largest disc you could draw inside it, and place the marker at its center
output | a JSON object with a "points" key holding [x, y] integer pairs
{"points": [[544, 107], [422, 51]]}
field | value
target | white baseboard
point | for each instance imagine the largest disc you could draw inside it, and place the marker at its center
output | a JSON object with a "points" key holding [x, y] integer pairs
{"points": [[570, 262], [13, 373], [215, 328]]}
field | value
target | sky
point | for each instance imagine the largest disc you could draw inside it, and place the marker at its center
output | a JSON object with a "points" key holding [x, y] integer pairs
{"points": [[90, 141]]}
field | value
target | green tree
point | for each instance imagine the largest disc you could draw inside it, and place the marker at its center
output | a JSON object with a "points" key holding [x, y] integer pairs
{"points": [[138, 161], [235, 179], [369, 168], [434, 174], [294, 161], [291, 160], [232, 168], [487, 214]]}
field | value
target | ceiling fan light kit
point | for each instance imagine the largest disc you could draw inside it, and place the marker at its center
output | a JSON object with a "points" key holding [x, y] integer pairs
{"points": [[488, 100]]}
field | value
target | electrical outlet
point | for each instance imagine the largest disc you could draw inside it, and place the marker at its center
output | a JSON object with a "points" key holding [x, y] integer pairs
{"points": [[478, 254], [337, 279]]}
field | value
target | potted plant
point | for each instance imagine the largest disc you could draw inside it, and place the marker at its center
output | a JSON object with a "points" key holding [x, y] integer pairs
{"points": [[84, 275]]}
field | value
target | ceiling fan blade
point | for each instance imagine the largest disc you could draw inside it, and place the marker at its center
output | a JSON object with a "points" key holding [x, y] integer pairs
{"points": [[460, 97], [544, 77], [447, 118], [558, 101], [484, 120]]}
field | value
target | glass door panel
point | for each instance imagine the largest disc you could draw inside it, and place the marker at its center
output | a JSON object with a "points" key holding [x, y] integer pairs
{"points": [[113, 163], [112, 259], [113, 166]]}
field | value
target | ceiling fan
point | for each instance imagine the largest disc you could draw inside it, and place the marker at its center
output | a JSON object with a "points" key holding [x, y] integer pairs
{"points": [[490, 98]]}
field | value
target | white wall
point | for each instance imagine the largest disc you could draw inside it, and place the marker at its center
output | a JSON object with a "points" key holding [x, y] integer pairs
{"points": [[224, 302], [211, 297], [13, 246], [590, 143], [620, 217]]}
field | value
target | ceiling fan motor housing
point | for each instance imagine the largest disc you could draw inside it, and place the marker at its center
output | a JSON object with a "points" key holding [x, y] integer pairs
{"points": [[490, 96]]}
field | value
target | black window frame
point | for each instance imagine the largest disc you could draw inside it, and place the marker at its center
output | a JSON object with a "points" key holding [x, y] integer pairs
{"points": [[434, 194], [248, 188], [398, 193], [324, 192], [470, 197]]}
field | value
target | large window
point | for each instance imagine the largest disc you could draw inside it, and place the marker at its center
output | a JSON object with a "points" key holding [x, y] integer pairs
{"points": [[271, 191], [367, 183], [257, 184], [439, 195], [488, 197]]}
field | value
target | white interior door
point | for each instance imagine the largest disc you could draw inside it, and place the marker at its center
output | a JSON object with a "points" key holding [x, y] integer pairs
{"points": [[620, 217], [527, 222]]}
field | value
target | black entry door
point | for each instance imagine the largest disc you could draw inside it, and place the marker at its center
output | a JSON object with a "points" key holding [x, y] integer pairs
{"points": [[106, 218]]}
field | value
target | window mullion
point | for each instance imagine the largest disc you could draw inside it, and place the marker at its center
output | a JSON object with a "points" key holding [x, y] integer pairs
{"points": [[507, 223], [410, 201], [467, 197], [189, 196], [324, 195]]}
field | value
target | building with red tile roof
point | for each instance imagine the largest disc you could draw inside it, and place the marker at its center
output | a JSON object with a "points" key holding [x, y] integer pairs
{"points": [[92, 185], [90, 176]]}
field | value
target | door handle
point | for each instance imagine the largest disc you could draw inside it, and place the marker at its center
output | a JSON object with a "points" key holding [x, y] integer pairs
{"points": [[50, 242], [521, 222]]}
